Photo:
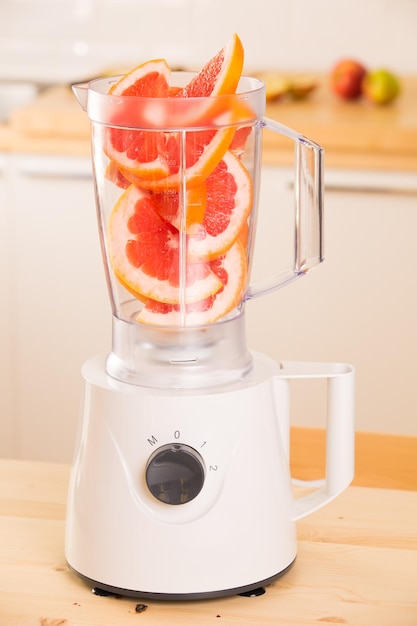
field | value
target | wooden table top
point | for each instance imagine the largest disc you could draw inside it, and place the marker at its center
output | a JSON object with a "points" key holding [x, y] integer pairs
{"points": [[356, 564]]}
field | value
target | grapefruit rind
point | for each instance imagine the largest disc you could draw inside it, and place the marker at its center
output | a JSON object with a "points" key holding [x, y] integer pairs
{"points": [[156, 175], [130, 81], [137, 172], [212, 246]]}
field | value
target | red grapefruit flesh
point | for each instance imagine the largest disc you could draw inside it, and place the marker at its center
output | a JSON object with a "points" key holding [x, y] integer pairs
{"points": [[220, 75], [231, 269], [144, 251], [228, 206]]}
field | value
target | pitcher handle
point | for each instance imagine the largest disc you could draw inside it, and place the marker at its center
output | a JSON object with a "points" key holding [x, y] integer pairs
{"points": [[340, 431], [308, 207]]}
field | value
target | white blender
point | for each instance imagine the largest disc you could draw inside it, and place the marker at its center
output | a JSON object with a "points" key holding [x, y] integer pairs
{"points": [[182, 456]]}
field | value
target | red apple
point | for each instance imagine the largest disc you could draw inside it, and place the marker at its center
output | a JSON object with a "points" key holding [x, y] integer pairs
{"points": [[346, 78]]}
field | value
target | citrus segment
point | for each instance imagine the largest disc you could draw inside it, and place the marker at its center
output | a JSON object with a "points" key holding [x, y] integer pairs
{"points": [[239, 140], [149, 80], [220, 75], [138, 150], [156, 160], [231, 269], [177, 234], [168, 204], [228, 205], [153, 158], [136, 153], [144, 251]]}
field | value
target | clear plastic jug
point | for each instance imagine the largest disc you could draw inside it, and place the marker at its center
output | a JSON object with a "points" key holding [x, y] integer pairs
{"points": [[177, 184]]}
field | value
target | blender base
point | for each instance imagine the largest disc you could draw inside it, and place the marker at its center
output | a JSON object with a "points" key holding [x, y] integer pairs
{"points": [[253, 590], [233, 536]]}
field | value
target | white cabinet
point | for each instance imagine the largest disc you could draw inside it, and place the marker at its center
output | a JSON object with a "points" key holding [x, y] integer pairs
{"points": [[60, 311], [359, 306]]}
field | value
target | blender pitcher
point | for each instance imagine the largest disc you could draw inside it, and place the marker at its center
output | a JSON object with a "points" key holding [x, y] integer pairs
{"points": [[184, 432], [177, 184]]}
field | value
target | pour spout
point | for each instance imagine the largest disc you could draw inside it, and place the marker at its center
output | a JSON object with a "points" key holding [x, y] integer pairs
{"points": [[80, 91]]}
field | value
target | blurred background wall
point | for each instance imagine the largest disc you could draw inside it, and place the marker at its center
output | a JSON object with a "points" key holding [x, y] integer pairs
{"points": [[67, 40]]}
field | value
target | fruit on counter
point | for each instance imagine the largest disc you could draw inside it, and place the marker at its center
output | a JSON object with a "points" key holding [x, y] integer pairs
{"points": [[381, 86], [301, 86], [346, 78], [278, 86], [146, 232]]}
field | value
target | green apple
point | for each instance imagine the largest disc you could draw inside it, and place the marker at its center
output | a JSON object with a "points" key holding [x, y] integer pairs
{"points": [[381, 86]]}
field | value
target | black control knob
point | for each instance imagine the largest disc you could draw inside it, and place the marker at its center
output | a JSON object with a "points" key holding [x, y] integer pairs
{"points": [[175, 473]]}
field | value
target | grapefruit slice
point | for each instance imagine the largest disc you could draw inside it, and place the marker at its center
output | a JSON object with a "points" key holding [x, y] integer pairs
{"points": [[137, 153], [220, 75], [228, 206], [115, 176], [153, 158], [144, 251], [215, 211], [148, 80], [156, 160], [168, 204], [231, 269], [138, 150]]}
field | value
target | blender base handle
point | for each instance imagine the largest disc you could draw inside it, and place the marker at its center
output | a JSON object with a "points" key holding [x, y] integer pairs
{"points": [[340, 431]]}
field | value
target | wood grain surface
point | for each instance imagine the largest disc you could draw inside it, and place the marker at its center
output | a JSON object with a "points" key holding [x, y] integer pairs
{"points": [[381, 460], [356, 565]]}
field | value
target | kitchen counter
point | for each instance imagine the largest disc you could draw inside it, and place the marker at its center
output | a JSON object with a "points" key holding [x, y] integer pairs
{"points": [[355, 135], [356, 564]]}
